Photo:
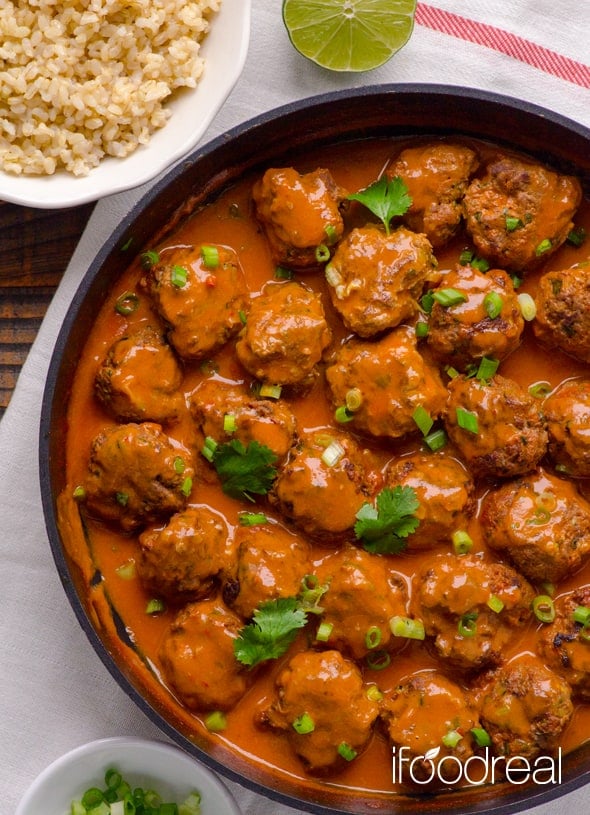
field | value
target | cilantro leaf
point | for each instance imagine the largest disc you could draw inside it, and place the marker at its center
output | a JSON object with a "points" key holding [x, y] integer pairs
{"points": [[385, 198], [245, 470], [273, 628], [384, 527]]}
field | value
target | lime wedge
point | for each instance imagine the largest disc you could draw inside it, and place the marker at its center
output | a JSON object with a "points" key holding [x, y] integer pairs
{"points": [[349, 35]]}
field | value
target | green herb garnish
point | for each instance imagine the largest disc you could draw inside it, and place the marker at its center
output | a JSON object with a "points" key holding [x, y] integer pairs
{"points": [[273, 628], [384, 527], [244, 470], [385, 198]]}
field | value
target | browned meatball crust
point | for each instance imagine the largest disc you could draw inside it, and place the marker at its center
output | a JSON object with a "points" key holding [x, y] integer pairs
{"points": [[391, 378], [326, 480], [445, 492], [285, 335], [471, 609], [564, 645], [198, 660], [136, 475], [541, 523], [202, 305], [271, 563], [461, 334], [268, 422], [327, 689], [140, 377], [299, 213], [525, 708], [562, 318], [519, 213], [567, 414], [185, 559], [508, 437], [436, 176], [375, 279], [364, 592]]}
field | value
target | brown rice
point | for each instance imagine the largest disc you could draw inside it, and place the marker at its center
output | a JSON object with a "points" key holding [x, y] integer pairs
{"points": [[81, 79]]}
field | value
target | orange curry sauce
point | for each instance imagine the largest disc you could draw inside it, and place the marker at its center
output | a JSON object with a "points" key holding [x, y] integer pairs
{"points": [[228, 221]]}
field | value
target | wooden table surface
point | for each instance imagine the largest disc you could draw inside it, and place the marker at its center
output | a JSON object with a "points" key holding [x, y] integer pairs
{"points": [[35, 248]]}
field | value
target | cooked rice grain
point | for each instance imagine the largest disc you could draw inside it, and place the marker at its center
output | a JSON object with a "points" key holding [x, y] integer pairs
{"points": [[81, 79]]}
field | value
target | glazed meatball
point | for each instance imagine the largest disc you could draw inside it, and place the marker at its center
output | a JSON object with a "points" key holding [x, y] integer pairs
{"points": [[136, 475], [375, 279], [198, 660], [298, 213], [505, 436], [426, 712], [525, 708], [391, 379], [436, 176], [201, 301], [563, 644], [363, 593], [471, 609], [562, 317], [445, 492], [268, 422], [567, 414], [140, 377], [321, 695], [541, 523], [271, 563], [487, 323], [285, 335], [519, 213], [326, 480], [185, 559]]}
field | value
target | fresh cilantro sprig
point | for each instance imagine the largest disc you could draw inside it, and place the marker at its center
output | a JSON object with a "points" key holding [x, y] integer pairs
{"points": [[384, 527], [386, 198], [273, 628], [244, 470]]}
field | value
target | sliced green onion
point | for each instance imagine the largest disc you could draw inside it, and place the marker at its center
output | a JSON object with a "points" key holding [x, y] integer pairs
{"points": [[462, 542], [493, 303], [331, 233], [346, 751], [79, 493], [423, 420], [333, 276], [543, 247], [480, 264], [407, 627], [322, 253], [311, 593], [373, 637], [92, 798], [527, 305], [449, 297], [516, 281], [576, 236], [543, 608], [208, 449], [467, 420], [230, 424], [216, 721], [113, 778], [243, 316], [421, 329], [324, 632], [271, 391], [122, 498], [487, 368], [178, 276], [467, 625], [283, 274], [495, 603], [342, 414], [481, 737], [191, 805], [378, 660], [353, 399], [436, 440], [304, 724], [186, 486], [581, 615], [451, 372], [333, 453], [426, 302], [127, 303], [512, 223], [126, 571], [149, 259], [252, 518], [155, 606], [210, 256], [179, 465], [452, 738], [465, 257], [540, 390]]}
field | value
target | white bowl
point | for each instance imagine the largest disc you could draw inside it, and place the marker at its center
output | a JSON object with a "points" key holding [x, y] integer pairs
{"points": [[148, 764], [224, 50]]}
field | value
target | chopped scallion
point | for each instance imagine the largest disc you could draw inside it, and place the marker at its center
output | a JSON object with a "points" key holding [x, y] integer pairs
{"points": [[452, 738], [155, 606], [421, 329], [343, 414], [270, 391], [436, 440], [462, 542], [527, 305], [493, 303], [544, 608], [304, 724], [449, 297], [581, 615], [540, 390], [495, 603], [322, 253], [512, 223], [186, 486], [481, 737], [543, 247], [149, 259], [346, 751], [208, 449], [178, 276], [423, 420], [216, 721], [487, 368], [373, 637], [127, 303], [467, 420], [252, 518], [467, 624], [353, 399], [283, 274], [324, 632], [210, 256], [407, 627]]}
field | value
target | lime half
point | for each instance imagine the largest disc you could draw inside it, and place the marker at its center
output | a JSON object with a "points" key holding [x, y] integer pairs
{"points": [[349, 35]]}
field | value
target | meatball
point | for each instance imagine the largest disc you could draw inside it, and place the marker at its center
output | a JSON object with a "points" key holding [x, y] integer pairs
{"points": [[562, 317], [525, 707], [375, 279], [488, 322], [519, 213], [363, 593], [471, 609], [271, 563], [436, 176], [323, 708], [326, 480], [445, 492], [563, 644], [541, 523], [198, 659], [391, 379], [201, 295], [136, 475], [285, 335], [505, 435], [567, 414], [298, 213], [140, 377], [224, 411], [185, 559], [429, 712]]}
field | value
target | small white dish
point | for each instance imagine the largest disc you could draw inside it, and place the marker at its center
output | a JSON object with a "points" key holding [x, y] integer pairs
{"points": [[224, 50], [148, 764]]}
